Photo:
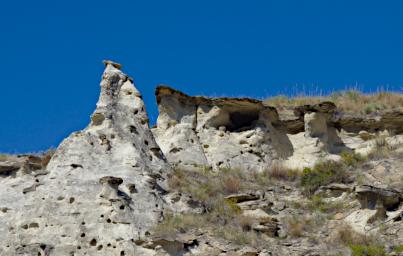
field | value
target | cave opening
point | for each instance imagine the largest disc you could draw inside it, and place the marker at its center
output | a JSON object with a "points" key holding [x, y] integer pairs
{"points": [[242, 120]]}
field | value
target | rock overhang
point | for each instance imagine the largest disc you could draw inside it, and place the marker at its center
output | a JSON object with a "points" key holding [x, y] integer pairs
{"points": [[274, 135]]}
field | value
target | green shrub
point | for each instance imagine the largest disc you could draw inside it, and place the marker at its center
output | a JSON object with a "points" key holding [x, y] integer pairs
{"points": [[353, 95], [367, 250], [373, 107], [318, 204], [398, 248], [322, 174], [351, 159]]}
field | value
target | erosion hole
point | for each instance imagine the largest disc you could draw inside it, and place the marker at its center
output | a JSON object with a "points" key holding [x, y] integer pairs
{"points": [[133, 129], [75, 166], [93, 242]]}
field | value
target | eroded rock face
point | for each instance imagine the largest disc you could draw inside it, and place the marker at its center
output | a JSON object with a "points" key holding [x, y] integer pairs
{"points": [[103, 187], [244, 133], [241, 133], [234, 133]]}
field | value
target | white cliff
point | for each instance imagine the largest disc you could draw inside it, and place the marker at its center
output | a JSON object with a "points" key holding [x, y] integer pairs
{"points": [[101, 191], [242, 133]]}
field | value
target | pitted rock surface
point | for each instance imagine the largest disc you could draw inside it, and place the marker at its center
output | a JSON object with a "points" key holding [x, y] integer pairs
{"points": [[86, 204]]}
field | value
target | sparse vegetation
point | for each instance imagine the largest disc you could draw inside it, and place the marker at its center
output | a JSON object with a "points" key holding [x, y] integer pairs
{"points": [[350, 101], [317, 203], [367, 250], [360, 245], [204, 184], [373, 107], [297, 226], [279, 172], [222, 220], [381, 149], [3, 157], [47, 156], [223, 216], [351, 158], [322, 174], [398, 248]]}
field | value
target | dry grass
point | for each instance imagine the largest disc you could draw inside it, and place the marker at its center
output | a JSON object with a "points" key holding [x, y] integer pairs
{"points": [[222, 218], [47, 156], [360, 244], [204, 184], [279, 172], [318, 204], [245, 222], [3, 157], [351, 101], [232, 184], [295, 226], [381, 149], [346, 235], [298, 226]]}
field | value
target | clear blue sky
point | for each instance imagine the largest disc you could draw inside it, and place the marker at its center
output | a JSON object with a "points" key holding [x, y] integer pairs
{"points": [[52, 51]]}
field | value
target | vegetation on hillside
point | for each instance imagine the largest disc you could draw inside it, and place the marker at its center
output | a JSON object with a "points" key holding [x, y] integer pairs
{"points": [[351, 101]]}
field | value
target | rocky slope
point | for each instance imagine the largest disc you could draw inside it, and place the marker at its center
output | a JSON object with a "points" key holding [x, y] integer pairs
{"points": [[223, 176]]}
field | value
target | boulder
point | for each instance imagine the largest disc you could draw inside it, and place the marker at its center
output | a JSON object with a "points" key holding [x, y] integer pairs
{"points": [[369, 196]]}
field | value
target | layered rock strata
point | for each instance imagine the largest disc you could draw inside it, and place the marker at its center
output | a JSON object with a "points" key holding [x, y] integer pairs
{"points": [[244, 133]]}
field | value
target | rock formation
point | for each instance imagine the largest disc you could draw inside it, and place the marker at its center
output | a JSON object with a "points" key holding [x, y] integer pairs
{"points": [[244, 133], [108, 188], [102, 190]]}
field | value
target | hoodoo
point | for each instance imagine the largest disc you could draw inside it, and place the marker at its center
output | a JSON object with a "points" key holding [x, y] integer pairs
{"points": [[85, 203]]}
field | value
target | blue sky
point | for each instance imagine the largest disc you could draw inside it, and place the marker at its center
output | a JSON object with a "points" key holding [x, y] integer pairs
{"points": [[52, 51]]}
